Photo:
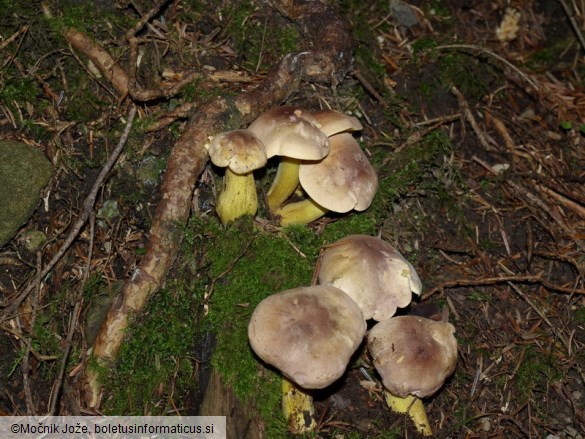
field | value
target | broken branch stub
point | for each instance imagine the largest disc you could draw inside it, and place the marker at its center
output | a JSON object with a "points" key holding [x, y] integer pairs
{"points": [[327, 59]]}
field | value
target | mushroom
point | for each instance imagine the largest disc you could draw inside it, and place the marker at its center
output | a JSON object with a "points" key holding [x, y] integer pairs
{"points": [[309, 334], [293, 134], [372, 272], [413, 356], [342, 181], [334, 122], [240, 152]]}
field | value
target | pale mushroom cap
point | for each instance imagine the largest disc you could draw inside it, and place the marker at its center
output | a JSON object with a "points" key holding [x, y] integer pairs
{"points": [[372, 272], [334, 122], [239, 150], [413, 355], [308, 333], [342, 181], [291, 132]]}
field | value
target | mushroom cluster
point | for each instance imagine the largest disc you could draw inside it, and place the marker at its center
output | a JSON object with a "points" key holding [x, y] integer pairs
{"points": [[310, 333], [317, 154]]}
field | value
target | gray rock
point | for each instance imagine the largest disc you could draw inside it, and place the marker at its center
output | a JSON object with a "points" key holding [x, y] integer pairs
{"points": [[24, 172]]}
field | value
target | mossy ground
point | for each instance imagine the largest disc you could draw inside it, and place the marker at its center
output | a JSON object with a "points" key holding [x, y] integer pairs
{"points": [[225, 272]]}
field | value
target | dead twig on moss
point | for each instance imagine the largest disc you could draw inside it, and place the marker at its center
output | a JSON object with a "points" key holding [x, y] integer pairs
{"points": [[210, 288], [11, 38]]}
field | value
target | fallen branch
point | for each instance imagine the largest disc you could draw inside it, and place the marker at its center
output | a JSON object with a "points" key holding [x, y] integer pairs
{"points": [[100, 58], [327, 59], [530, 279]]}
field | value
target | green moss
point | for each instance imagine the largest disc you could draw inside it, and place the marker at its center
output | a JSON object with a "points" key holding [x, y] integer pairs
{"points": [[83, 104], [84, 15], [478, 296], [45, 339], [580, 314], [256, 37], [536, 372], [436, 8], [155, 364], [423, 45], [408, 168], [193, 92]]}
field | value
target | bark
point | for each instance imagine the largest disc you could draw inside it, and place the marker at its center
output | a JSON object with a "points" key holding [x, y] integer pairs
{"points": [[100, 58], [326, 58], [242, 420]]}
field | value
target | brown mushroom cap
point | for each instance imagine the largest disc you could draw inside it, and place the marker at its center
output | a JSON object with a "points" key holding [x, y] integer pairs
{"points": [[239, 150], [342, 181], [334, 122], [413, 355], [291, 132], [308, 333], [372, 272]]}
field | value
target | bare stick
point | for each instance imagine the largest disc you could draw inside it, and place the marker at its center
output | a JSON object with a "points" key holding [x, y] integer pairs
{"points": [[73, 321], [483, 138], [479, 49], [30, 405], [574, 24], [543, 207], [81, 220], [100, 58], [531, 279]]}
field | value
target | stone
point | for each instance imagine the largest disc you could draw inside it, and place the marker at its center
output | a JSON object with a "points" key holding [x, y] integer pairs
{"points": [[24, 172]]}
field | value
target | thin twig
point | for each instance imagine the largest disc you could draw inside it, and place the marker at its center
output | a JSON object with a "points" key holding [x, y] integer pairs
{"points": [[472, 48], [535, 201], [13, 37], [81, 220], [539, 312], [574, 24], [73, 321], [230, 267], [531, 279], [483, 138], [30, 406], [369, 87]]}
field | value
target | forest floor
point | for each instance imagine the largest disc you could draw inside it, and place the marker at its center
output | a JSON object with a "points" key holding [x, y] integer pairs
{"points": [[474, 118]]}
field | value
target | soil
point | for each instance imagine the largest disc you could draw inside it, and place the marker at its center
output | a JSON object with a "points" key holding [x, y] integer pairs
{"points": [[493, 219]]}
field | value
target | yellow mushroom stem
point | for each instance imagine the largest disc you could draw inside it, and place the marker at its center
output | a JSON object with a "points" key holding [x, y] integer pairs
{"points": [[297, 407], [285, 182], [238, 196], [414, 407], [300, 212]]}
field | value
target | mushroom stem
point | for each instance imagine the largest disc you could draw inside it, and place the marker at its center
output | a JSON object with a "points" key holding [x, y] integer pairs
{"points": [[238, 196], [285, 182], [300, 212], [297, 407], [414, 407]]}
